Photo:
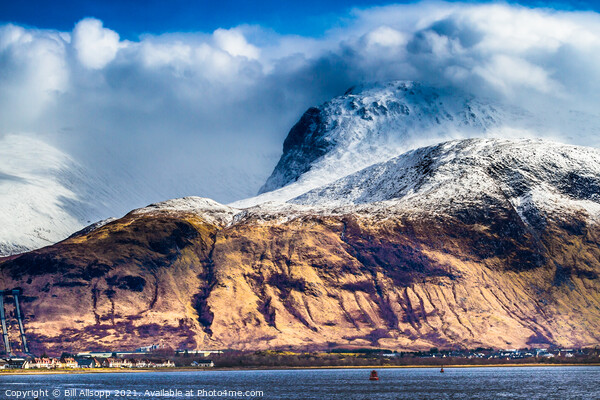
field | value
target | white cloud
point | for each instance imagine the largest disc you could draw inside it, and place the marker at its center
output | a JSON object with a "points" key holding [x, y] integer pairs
{"points": [[96, 46], [386, 37], [206, 113], [161, 54], [234, 42], [33, 72], [506, 72]]}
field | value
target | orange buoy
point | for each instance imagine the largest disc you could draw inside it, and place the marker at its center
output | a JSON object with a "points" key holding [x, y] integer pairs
{"points": [[442, 370], [373, 376]]}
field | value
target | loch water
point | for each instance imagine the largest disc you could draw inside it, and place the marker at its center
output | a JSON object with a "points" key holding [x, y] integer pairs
{"points": [[530, 383]]}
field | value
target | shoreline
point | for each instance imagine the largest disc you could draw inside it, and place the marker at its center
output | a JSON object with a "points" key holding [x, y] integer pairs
{"points": [[270, 368]]}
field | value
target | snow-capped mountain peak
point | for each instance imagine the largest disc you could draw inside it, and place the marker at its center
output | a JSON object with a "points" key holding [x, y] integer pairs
{"points": [[375, 122], [378, 118]]}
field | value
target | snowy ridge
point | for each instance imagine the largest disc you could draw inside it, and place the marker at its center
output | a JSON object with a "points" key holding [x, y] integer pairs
{"points": [[93, 227], [536, 178], [210, 210], [532, 175]]}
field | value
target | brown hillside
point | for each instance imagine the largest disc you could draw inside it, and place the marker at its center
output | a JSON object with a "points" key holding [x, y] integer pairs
{"points": [[314, 280]]}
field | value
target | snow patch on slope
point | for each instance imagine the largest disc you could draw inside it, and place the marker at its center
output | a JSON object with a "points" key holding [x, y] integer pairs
{"points": [[33, 196]]}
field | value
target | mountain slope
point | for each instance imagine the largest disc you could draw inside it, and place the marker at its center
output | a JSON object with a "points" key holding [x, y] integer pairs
{"points": [[38, 202], [46, 195], [416, 257]]}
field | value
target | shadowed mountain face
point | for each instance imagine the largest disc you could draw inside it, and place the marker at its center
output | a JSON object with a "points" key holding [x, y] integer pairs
{"points": [[489, 259]]}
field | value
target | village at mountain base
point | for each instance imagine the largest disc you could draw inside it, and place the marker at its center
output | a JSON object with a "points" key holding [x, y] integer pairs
{"points": [[145, 357]]}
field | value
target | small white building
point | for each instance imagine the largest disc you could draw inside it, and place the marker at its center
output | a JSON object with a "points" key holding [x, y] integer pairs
{"points": [[203, 364]]}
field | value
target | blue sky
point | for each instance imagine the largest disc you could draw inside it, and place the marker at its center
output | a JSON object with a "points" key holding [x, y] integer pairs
{"points": [[132, 18]]}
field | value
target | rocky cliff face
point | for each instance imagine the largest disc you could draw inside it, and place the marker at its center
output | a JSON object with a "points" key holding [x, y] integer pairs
{"points": [[468, 243]]}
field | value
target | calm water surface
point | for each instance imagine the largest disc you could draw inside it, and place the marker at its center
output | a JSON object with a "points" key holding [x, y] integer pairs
{"points": [[419, 383]]}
